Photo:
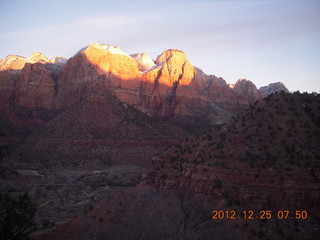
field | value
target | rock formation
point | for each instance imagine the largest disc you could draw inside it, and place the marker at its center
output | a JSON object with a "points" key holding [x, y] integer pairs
{"points": [[167, 87], [144, 61], [273, 88], [36, 86], [79, 74], [12, 62], [7, 88], [247, 89]]}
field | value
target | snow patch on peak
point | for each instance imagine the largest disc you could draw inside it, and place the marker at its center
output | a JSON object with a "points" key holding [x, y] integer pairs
{"points": [[59, 60], [145, 63], [106, 47]]}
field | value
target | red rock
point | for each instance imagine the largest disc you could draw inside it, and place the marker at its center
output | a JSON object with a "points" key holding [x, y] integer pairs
{"points": [[167, 87], [119, 69], [12, 62], [36, 86], [7, 88], [15, 62], [248, 90], [273, 88]]}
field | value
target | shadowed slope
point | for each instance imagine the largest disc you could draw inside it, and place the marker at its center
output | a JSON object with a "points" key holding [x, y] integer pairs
{"points": [[93, 133], [266, 159]]}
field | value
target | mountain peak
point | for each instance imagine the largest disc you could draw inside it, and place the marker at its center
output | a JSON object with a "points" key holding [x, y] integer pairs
{"points": [[144, 61], [272, 88], [247, 89], [58, 60], [106, 47], [167, 54], [37, 57]]}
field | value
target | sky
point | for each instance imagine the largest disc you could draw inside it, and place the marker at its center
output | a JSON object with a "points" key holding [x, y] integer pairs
{"points": [[263, 41]]}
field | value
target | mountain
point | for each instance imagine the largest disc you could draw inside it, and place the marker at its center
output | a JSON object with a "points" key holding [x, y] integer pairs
{"points": [[144, 61], [37, 93], [273, 88], [93, 134], [86, 129], [168, 87], [15, 62], [264, 161], [247, 89]]}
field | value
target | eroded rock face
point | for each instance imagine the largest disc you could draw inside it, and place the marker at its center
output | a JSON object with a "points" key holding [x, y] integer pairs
{"points": [[248, 90], [161, 91], [37, 57], [36, 86], [15, 62], [7, 88], [12, 62], [175, 67], [273, 88], [29, 82], [169, 86], [164, 92], [119, 69]]}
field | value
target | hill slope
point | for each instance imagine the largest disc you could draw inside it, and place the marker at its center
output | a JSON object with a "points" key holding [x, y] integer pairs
{"points": [[93, 133], [265, 160]]}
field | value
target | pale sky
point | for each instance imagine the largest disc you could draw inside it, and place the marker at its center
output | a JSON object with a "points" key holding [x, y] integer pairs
{"points": [[261, 40]]}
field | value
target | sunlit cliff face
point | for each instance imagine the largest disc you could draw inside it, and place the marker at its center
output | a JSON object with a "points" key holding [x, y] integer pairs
{"points": [[111, 60], [15, 62], [173, 67], [168, 86]]}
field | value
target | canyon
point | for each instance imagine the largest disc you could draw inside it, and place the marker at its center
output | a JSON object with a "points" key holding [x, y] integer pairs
{"points": [[117, 146]]}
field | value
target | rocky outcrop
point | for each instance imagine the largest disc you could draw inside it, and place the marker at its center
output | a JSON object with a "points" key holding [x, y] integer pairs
{"points": [[119, 69], [164, 90], [248, 90], [29, 82], [12, 62], [15, 62], [37, 57], [273, 88], [163, 93], [7, 88], [36, 86], [173, 68], [169, 86]]}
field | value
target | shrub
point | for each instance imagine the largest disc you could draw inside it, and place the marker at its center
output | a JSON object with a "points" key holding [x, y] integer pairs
{"points": [[16, 220], [217, 184]]}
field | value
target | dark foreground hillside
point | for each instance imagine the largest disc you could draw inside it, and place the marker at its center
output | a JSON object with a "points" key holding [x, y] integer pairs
{"points": [[260, 172]]}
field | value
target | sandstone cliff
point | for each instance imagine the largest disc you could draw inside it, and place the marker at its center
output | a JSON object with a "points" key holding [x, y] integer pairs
{"points": [[78, 75], [273, 88], [36, 86], [248, 90], [170, 86], [7, 88]]}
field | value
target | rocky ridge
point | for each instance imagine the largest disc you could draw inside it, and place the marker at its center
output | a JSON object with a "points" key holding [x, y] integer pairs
{"points": [[273, 88], [169, 86]]}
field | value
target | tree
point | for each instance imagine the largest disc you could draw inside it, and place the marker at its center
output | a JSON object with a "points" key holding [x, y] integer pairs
{"points": [[3, 148], [16, 217]]}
